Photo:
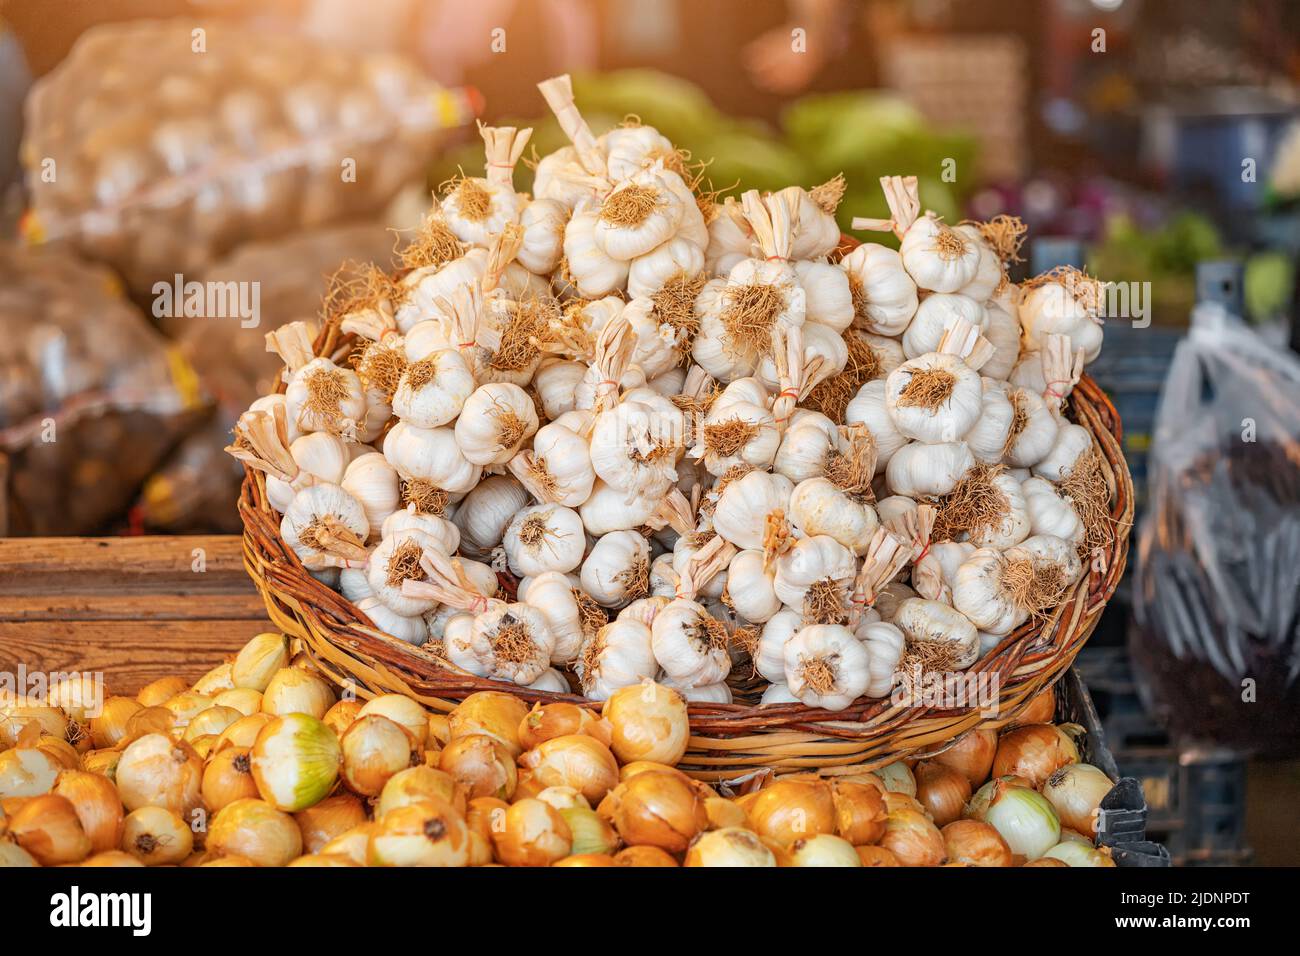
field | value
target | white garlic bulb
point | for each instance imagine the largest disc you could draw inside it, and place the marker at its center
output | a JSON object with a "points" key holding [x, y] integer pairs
{"points": [[420, 291], [457, 644], [1011, 525], [826, 666], [487, 511], [644, 609], [558, 467], [730, 238], [411, 630], [934, 316], [883, 294], [607, 509], [396, 559], [955, 640], [617, 570], [570, 614], [1033, 429], [495, 420], [321, 396], [512, 642], [988, 274], [446, 534], [938, 257], [1059, 553], [542, 222], [891, 598], [373, 482], [690, 645], [555, 383], [934, 398], [1067, 303], [922, 470], [769, 654], [592, 272], [775, 694], [825, 354], [870, 408], [1002, 329], [808, 439], [1050, 512], [326, 527], [1072, 444], [827, 297], [719, 693], [737, 433], [429, 460], [987, 438], [635, 445], [650, 272], [544, 538], [818, 506], [432, 391], [686, 549], [744, 505], [885, 645], [750, 588], [819, 563], [640, 213], [618, 655], [934, 573]]}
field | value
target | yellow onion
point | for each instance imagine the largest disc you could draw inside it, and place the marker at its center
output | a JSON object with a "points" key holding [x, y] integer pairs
{"points": [[211, 722], [1035, 752], [576, 760], [428, 833], [185, 707], [1025, 820], [235, 860], [658, 809], [109, 858], [534, 834], [374, 748], [417, 783], [590, 833], [108, 727], [587, 859], [27, 772], [563, 797], [97, 804], [12, 855], [560, 719], [323, 860], [295, 761], [1076, 791], [48, 828], [979, 802], [402, 711], [156, 837], [102, 762], [723, 813], [243, 732], [1067, 835], [439, 730], [328, 819], [161, 691], [859, 812], [1041, 710], [730, 846], [790, 810], [80, 697], [647, 721], [60, 750], [823, 850], [340, 717], [228, 777], [975, 843], [876, 856], [203, 745], [643, 856], [1072, 853], [156, 771], [292, 691], [911, 837], [256, 830], [215, 681], [259, 660], [641, 766], [897, 777], [244, 699], [492, 713], [484, 817], [353, 844], [482, 765], [149, 720], [972, 756], [15, 717], [1047, 861], [942, 791]]}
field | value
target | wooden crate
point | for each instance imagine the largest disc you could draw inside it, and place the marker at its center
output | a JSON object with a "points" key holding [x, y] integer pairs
{"points": [[134, 609]]}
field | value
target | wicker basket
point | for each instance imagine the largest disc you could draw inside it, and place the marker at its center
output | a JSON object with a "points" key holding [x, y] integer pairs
{"points": [[729, 741]]}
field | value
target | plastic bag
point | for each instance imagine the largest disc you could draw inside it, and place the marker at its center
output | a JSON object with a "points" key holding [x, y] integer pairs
{"points": [[196, 488], [1217, 594], [157, 146], [91, 396]]}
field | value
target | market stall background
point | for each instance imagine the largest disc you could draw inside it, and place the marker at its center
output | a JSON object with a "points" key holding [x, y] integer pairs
{"points": [[1134, 141]]}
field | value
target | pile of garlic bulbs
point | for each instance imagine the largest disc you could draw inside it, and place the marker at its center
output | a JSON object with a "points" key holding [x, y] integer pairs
{"points": [[703, 445]]}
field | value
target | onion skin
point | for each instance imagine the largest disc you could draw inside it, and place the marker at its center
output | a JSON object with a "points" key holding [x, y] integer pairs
{"points": [[108, 727], [160, 772], [1024, 818], [535, 834], [228, 777], [428, 833], [1047, 861], [790, 810], [243, 733], [1079, 855], [484, 817], [324, 860], [972, 756], [149, 720], [157, 837], [648, 721], [1041, 709], [643, 856], [111, 858], [590, 834], [560, 719], [256, 830], [97, 804], [330, 818], [482, 765], [658, 809], [723, 813], [402, 711], [493, 713], [824, 850], [295, 761], [1035, 752], [160, 691], [587, 859], [976, 844], [341, 716], [414, 784], [860, 812], [730, 847], [353, 844], [1076, 792], [942, 791], [877, 856], [911, 837], [48, 828], [373, 748], [575, 760]]}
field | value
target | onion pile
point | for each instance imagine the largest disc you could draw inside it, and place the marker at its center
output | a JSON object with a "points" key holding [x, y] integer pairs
{"points": [[495, 782], [693, 434]]}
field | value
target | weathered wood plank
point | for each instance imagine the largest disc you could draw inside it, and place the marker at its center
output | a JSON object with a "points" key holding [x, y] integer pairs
{"points": [[105, 565]]}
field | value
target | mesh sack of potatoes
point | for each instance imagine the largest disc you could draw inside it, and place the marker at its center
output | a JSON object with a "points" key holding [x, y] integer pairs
{"points": [[195, 487], [91, 397], [157, 146]]}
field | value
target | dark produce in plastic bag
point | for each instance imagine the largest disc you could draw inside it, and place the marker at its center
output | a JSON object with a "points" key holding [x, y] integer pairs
{"points": [[91, 396], [1217, 592], [158, 158]]}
